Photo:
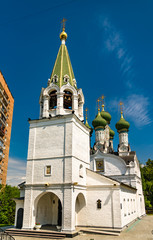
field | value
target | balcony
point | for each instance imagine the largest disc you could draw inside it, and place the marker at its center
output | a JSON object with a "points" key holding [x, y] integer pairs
{"points": [[3, 113], [3, 121], [4, 95], [2, 104], [1, 139], [2, 132]]}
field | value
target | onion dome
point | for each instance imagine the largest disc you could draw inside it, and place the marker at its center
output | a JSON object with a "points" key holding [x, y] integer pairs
{"points": [[111, 133], [88, 126], [122, 124], [99, 122], [105, 115]]}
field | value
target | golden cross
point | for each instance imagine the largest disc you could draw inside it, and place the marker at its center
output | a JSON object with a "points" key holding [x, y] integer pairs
{"points": [[98, 100], [121, 106], [102, 98], [63, 23], [86, 113]]}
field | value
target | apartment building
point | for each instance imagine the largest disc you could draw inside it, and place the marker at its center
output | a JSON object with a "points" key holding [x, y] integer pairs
{"points": [[6, 114]]}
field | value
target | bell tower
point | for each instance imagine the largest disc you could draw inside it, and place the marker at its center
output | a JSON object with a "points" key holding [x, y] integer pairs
{"points": [[59, 148], [62, 95]]}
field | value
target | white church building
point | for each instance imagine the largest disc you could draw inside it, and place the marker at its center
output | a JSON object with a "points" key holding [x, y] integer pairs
{"points": [[68, 184]]}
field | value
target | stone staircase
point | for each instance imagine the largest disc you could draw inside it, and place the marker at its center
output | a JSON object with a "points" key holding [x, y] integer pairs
{"points": [[36, 234], [50, 234]]}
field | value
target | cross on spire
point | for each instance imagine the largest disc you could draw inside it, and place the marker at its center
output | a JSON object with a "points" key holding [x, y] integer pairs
{"points": [[121, 108], [98, 100], [86, 113], [102, 100], [63, 23]]}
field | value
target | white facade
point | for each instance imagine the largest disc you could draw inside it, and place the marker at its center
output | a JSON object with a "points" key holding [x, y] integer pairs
{"points": [[62, 143], [65, 185]]}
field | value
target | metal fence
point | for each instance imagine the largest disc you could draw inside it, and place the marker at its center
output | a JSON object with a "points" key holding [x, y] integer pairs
{"points": [[5, 236]]}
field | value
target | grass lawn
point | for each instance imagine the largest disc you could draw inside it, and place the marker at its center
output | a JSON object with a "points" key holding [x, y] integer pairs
{"points": [[3, 225]]}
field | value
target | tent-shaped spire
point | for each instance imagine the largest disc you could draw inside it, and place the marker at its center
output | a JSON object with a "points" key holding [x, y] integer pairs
{"points": [[62, 72]]}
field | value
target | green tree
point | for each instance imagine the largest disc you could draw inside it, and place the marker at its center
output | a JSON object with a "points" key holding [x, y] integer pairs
{"points": [[7, 204], [147, 183]]}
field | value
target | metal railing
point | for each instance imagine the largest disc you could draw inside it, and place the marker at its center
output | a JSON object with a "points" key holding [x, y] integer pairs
{"points": [[3, 94], [5, 236], [3, 104]]}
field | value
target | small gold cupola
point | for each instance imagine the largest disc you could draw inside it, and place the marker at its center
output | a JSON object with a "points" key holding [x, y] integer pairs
{"points": [[63, 34]]}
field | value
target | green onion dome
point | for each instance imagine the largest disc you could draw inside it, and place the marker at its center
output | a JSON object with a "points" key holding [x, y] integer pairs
{"points": [[122, 124], [88, 126], [99, 122], [105, 115], [111, 133]]}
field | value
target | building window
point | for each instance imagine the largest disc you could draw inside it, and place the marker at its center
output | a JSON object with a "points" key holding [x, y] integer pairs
{"points": [[48, 170], [53, 100], [66, 78], [98, 204], [81, 171], [67, 100], [100, 165], [55, 79]]}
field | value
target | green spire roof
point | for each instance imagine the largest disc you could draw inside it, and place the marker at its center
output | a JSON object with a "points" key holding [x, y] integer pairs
{"points": [[122, 124], [62, 70], [99, 122]]}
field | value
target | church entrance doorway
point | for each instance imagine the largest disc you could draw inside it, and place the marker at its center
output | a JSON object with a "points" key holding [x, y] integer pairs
{"points": [[49, 210], [79, 208], [19, 218]]}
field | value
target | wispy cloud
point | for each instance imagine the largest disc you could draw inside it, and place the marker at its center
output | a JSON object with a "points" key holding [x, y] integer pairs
{"points": [[136, 106], [136, 109], [16, 171], [115, 43]]}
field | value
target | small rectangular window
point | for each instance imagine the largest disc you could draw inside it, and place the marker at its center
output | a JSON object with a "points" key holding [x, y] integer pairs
{"points": [[48, 170], [98, 204]]}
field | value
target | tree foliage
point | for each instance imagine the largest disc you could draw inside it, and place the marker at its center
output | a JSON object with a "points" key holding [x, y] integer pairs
{"points": [[7, 204], [147, 183]]}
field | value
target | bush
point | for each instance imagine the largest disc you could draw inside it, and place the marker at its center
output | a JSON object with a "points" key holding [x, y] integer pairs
{"points": [[7, 204]]}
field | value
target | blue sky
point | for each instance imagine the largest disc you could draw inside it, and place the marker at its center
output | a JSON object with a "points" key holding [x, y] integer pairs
{"points": [[110, 46]]}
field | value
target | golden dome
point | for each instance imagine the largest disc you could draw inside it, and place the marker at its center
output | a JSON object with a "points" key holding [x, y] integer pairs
{"points": [[63, 35]]}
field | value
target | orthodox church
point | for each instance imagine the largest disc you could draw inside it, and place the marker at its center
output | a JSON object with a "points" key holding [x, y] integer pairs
{"points": [[68, 184]]}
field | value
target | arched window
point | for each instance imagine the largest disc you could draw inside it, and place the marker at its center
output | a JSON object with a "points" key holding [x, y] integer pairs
{"points": [[67, 99], [66, 78], [55, 79], [81, 171], [53, 100], [98, 204]]}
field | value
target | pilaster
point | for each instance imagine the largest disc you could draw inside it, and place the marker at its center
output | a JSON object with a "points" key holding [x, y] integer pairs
{"points": [[75, 104], [45, 107], [59, 110]]}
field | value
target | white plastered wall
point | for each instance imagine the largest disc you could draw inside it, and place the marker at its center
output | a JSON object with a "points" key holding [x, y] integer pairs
{"points": [[50, 143], [128, 202]]}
